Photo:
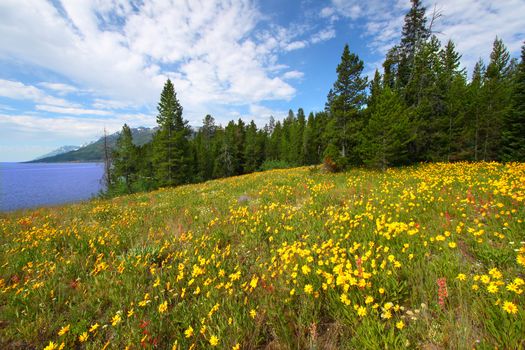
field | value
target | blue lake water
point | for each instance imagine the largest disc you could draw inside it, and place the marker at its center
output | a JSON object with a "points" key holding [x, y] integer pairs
{"points": [[40, 184]]}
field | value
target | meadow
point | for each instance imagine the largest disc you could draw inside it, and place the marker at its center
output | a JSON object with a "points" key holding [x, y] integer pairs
{"points": [[427, 257]]}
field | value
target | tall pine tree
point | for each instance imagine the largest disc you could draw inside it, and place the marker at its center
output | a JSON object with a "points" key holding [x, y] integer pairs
{"points": [[347, 101], [172, 156]]}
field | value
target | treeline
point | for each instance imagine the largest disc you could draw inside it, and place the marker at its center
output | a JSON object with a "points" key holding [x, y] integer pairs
{"points": [[421, 108]]}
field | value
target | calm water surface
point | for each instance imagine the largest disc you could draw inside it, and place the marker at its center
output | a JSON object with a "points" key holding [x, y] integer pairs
{"points": [[40, 184]]}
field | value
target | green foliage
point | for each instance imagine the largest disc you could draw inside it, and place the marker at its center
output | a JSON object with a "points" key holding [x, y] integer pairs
{"points": [[346, 101], [171, 158], [274, 164], [514, 122], [387, 133], [125, 160]]}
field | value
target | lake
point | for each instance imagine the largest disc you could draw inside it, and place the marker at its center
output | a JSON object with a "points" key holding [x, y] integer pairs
{"points": [[41, 184]]}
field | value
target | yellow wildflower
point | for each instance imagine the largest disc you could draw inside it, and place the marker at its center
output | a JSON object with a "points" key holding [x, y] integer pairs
{"points": [[93, 328], [510, 307], [83, 337], [188, 332], [64, 330], [214, 340], [163, 307], [400, 325], [51, 346], [308, 289]]}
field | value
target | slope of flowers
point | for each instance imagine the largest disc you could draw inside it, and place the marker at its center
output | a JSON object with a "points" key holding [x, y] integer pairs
{"points": [[431, 256]]}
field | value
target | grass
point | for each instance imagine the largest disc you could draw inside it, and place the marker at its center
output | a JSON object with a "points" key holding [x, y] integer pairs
{"points": [[284, 259]]}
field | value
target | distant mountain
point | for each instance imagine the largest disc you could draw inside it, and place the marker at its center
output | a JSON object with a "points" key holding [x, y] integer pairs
{"points": [[94, 151], [61, 150]]}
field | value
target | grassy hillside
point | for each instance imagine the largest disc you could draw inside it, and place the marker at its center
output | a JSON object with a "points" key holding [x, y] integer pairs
{"points": [[94, 152], [429, 257]]}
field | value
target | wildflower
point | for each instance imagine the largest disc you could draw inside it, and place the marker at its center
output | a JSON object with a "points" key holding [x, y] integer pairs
{"points": [[292, 291], [369, 300], [163, 307], [308, 289], [130, 313], [253, 313], [116, 320], [93, 328], [361, 311], [492, 288], [83, 337], [386, 315], [461, 277], [64, 330], [400, 325], [510, 307], [188, 332], [214, 340], [452, 245], [381, 290], [305, 269], [253, 282], [442, 291], [236, 347], [51, 346]]}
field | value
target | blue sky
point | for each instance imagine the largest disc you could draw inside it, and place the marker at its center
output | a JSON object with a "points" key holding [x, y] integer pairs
{"points": [[69, 69]]}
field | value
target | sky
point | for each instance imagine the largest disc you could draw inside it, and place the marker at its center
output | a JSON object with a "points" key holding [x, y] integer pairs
{"points": [[69, 69]]}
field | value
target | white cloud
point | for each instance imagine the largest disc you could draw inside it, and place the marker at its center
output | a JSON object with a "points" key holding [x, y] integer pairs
{"points": [[293, 74], [83, 129], [294, 45], [60, 88], [71, 110], [261, 114], [323, 35], [122, 51], [19, 91]]}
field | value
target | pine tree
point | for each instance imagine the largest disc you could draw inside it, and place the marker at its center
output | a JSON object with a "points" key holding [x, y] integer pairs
{"points": [[514, 123], [384, 139], [172, 157], [413, 36], [251, 149], [347, 101], [204, 148], [125, 160], [449, 107], [496, 93], [296, 138]]}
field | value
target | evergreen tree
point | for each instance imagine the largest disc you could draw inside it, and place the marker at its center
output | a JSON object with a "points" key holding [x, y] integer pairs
{"points": [[172, 157], [472, 125], [309, 141], [496, 93], [125, 160], [450, 98], [413, 36], [296, 139], [348, 99], [204, 148], [384, 139], [514, 123], [251, 149]]}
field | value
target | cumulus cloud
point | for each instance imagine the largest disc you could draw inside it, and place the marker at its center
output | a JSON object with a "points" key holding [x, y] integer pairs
{"points": [[124, 51]]}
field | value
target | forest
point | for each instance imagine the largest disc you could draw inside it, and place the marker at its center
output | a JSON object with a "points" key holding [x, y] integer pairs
{"points": [[421, 108]]}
